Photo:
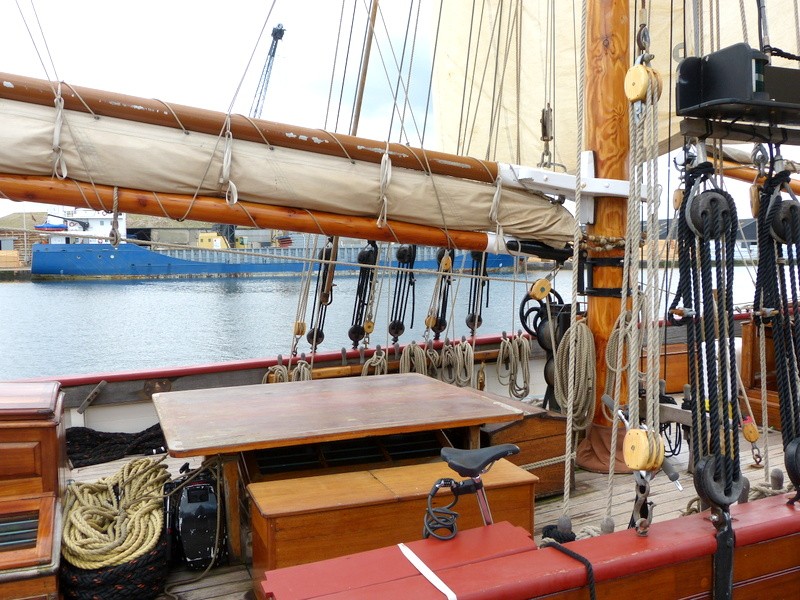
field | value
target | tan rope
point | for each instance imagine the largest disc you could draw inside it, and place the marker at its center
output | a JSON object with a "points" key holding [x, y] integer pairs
{"points": [[116, 519]]}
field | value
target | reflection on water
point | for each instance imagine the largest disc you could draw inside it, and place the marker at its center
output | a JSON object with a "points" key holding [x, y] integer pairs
{"points": [[52, 329]]}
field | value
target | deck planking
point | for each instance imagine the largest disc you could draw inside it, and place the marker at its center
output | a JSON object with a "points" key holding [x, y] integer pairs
{"points": [[588, 499], [588, 502]]}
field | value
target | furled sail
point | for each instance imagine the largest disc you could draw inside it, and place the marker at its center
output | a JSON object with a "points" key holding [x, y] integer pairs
{"points": [[160, 149]]}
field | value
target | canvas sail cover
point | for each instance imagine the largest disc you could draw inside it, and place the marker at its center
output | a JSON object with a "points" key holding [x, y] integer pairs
{"points": [[118, 152]]}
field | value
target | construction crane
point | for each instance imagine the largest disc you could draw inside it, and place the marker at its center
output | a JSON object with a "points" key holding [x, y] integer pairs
{"points": [[261, 92]]}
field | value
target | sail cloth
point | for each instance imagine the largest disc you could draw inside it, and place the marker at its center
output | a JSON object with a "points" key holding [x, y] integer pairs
{"points": [[493, 69], [117, 152]]}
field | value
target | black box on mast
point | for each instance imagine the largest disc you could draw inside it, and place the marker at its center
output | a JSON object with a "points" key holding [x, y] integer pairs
{"points": [[737, 83]]}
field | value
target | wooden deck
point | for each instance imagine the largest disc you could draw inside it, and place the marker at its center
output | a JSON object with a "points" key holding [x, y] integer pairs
{"points": [[587, 508]]}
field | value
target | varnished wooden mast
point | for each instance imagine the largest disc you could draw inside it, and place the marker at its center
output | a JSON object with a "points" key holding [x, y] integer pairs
{"points": [[608, 60]]}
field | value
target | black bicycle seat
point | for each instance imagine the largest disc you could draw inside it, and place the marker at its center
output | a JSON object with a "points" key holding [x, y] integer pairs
{"points": [[471, 463]]}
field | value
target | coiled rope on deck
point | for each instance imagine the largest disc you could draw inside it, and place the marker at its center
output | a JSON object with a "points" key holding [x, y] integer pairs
{"points": [[118, 518]]}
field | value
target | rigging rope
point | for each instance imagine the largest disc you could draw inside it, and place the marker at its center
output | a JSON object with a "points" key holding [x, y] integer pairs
{"points": [[436, 320], [708, 218], [777, 304], [362, 327], [404, 285], [323, 293], [116, 519]]}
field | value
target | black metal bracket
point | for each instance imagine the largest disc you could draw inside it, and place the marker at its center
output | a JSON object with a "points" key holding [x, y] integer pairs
{"points": [[723, 557], [586, 275]]}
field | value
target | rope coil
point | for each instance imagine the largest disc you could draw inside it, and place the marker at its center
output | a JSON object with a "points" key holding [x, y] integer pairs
{"points": [[116, 519]]}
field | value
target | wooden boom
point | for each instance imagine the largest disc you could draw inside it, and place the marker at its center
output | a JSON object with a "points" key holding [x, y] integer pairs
{"points": [[69, 192], [157, 112]]}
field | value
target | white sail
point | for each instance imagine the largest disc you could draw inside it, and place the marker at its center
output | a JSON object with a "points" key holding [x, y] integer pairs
{"points": [[493, 49]]}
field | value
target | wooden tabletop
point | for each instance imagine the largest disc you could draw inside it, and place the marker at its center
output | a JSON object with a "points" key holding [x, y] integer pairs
{"points": [[235, 419]]}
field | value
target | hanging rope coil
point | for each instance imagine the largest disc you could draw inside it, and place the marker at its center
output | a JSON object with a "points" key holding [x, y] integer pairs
{"points": [[458, 363], [513, 365], [116, 519], [413, 359], [584, 364], [378, 363]]}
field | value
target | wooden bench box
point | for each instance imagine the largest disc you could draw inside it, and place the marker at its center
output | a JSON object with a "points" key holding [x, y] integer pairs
{"points": [[32, 465], [297, 521], [32, 439], [540, 436]]}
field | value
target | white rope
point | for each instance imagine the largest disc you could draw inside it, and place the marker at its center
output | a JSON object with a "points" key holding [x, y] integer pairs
{"points": [[301, 371], [580, 390], [231, 192], [386, 179], [577, 235], [494, 213], [378, 362], [59, 164], [412, 360], [298, 329]]}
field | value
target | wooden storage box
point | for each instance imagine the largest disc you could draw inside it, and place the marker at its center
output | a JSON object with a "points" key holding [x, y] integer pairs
{"points": [[30, 535], [540, 436], [297, 521], [32, 468], [32, 439]]}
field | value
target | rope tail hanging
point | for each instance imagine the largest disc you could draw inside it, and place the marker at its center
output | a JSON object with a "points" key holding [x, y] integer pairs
{"points": [[478, 287], [368, 257], [707, 234], [436, 320], [404, 285], [706, 218], [323, 293], [777, 305]]}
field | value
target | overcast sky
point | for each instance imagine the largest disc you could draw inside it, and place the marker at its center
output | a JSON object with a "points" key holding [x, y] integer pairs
{"points": [[196, 53]]}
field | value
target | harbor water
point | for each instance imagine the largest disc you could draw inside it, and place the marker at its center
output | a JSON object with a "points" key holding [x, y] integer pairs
{"points": [[69, 328]]}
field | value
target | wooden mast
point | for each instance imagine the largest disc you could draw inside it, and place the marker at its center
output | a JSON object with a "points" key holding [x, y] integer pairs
{"points": [[608, 60]]}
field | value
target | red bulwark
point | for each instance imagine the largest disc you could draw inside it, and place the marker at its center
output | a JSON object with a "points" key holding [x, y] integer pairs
{"points": [[501, 562], [359, 573]]}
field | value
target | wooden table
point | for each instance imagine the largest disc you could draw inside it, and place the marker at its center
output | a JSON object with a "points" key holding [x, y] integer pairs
{"points": [[236, 419]]}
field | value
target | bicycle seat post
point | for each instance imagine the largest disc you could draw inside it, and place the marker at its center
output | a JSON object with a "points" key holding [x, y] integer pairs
{"points": [[472, 464], [483, 502]]}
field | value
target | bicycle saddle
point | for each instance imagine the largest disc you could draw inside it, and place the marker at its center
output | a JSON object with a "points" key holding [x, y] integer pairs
{"points": [[471, 463]]}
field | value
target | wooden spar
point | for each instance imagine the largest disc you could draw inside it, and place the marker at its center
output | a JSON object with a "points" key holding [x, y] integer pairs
{"points": [[47, 190], [362, 76], [156, 112], [607, 135], [750, 175]]}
